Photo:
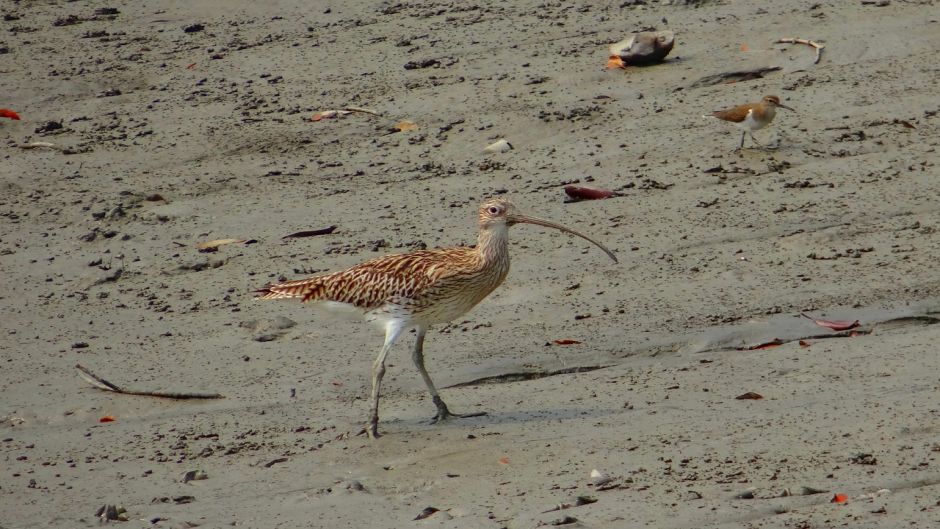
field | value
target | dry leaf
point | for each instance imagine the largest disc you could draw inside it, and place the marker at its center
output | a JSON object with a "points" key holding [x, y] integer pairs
{"points": [[750, 395], [566, 341], [106, 418], [504, 461], [839, 498], [212, 245], [427, 511], [804, 343], [744, 47], [766, 345], [838, 325]]}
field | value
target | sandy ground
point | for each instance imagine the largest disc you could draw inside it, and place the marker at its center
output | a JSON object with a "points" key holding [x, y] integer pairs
{"points": [[175, 124]]}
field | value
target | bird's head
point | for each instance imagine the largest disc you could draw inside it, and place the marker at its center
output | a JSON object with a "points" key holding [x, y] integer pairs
{"points": [[774, 102], [496, 213]]}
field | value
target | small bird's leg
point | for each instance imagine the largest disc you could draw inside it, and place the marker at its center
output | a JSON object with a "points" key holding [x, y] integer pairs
{"points": [[757, 142], [442, 412], [742, 140], [392, 332]]}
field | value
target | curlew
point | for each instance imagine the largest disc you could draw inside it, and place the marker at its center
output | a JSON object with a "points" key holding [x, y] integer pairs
{"points": [[421, 289], [751, 116]]}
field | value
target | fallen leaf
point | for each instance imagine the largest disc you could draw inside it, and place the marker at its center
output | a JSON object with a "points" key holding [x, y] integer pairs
{"points": [[839, 498], [7, 113], [565, 341], [615, 61], [328, 114], [750, 395], [336, 383], [404, 126], [190, 66], [311, 233], [587, 193], [428, 511], [504, 461], [744, 47], [106, 418], [838, 325], [212, 245], [907, 124]]}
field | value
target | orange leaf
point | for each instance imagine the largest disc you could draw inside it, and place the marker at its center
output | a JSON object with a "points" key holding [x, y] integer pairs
{"points": [[839, 498], [106, 418], [7, 113], [743, 47], [405, 125], [615, 62], [566, 341], [804, 343], [504, 461]]}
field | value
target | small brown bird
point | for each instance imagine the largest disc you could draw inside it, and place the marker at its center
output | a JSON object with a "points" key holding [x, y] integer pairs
{"points": [[421, 289], [752, 116]]}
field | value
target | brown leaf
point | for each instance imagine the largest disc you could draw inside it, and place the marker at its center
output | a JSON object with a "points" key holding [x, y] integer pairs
{"points": [[427, 511], [615, 62], [311, 233], [750, 395], [565, 341], [766, 345], [504, 461], [804, 343]]}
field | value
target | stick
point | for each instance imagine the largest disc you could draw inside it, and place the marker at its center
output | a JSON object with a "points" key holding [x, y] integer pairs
{"points": [[363, 110], [792, 40], [104, 385]]}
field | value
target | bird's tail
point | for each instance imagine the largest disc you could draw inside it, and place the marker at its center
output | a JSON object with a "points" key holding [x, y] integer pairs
{"points": [[310, 289]]}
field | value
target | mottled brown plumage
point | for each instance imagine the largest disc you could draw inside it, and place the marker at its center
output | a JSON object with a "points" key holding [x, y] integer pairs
{"points": [[751, 116], [420, 289]]}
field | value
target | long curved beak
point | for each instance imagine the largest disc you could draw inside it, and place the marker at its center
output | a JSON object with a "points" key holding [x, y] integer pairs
{"points": [[781, 105], [515, 218]]}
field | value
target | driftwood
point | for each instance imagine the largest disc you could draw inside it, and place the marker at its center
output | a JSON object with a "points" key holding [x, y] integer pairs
{"points": [[104, 385], [791, 40], [734, 77]]}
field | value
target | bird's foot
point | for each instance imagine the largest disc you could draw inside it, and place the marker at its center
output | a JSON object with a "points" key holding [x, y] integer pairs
{"points": [[444, 414], [372, 429]]}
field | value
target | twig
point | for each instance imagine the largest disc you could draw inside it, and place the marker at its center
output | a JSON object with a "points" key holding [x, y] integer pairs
{"points": [[104, 385], [792, 40], [363, 110]]}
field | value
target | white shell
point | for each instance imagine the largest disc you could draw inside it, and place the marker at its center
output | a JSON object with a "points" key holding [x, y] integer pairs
{"points": [[500, 145]]}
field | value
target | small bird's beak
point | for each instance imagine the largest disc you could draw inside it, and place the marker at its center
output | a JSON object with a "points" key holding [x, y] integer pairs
{"points": [[781, 105], [515, 218]]}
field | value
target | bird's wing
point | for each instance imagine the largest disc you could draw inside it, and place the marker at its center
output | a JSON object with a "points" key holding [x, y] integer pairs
{"points": [[370, 284], [734, 115]]}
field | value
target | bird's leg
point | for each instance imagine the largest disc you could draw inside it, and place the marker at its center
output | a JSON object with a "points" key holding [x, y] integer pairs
{"points": [[757, 142], [392, 332], [442, 412], [742, 140]]}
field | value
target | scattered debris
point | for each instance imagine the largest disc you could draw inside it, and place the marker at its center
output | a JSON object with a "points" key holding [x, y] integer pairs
{"points": [[565, 341], [839, 498], [112, 513], [641, 49], [273, 462], [330, 114], [498, 146], [426, 512], [310, 233], [39, 145], [750, 395], [107, 418], [403, 126], [104, 385], [194, 475], [578, 502], [816, 45], [765, 345]]}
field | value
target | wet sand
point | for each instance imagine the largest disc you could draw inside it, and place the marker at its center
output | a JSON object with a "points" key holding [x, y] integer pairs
{"points": [[176, 124]]}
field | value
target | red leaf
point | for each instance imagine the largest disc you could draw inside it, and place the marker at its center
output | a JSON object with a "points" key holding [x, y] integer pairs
{"points": [[804, 343], [7, 113], [586, 193], [839, 498], [750, 395], [838, 325], [566, 341], [190, 66], [106, 418], [766, 345], [504, 461]]}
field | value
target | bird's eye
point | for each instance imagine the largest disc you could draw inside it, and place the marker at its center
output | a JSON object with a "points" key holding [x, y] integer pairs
{"points": [[494, 210]]}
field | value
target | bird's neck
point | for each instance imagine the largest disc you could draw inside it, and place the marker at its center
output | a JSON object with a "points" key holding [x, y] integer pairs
{"points": [[493, 244], [764, 112]]}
